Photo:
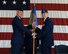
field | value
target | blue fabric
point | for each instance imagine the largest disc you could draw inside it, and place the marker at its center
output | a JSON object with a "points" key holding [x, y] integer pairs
{"points": [[36, 20]]}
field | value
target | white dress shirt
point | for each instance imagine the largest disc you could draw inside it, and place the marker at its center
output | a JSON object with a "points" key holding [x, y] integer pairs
{"points": [[45, 19]]}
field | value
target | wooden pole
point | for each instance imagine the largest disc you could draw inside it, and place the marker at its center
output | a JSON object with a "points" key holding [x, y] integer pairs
{"points": [[34, 43]]}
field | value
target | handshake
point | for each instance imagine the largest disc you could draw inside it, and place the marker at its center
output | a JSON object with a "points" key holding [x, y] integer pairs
{"points": [[33, 30], [34, 35]]}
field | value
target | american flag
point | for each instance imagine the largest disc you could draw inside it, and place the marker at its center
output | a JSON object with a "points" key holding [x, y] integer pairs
{"points": [[58, 12]]}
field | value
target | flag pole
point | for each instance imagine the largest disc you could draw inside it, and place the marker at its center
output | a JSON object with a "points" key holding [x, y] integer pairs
{"points": [[34, 44], [34, 37]]}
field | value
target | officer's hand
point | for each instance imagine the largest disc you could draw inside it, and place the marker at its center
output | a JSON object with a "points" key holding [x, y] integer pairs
{"points": [[34, 35]]}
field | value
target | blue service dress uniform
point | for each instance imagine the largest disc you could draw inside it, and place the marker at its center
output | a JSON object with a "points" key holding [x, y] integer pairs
{"points": [[46, 36], [17, 40]]}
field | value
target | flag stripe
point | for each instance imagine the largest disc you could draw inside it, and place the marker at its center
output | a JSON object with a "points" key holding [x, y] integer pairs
{"points": [[7, 43], [57, 28], [8, 51], [61, 7], [26, 14], [57, 36], [5, 50], [52, 14], [56, 21], [50, 1]]}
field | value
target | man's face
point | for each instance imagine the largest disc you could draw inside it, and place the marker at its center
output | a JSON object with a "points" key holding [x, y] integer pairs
{"points": [[19, 13], [44, 15]]}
